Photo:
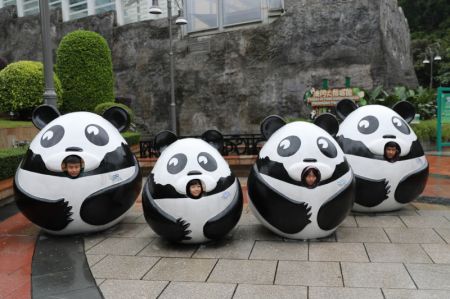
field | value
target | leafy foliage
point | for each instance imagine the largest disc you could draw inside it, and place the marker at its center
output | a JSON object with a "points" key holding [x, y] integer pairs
{"points": [[132, 138], [427, 130], [84, 65], [9, 161], [22, 87], [100, 108]]}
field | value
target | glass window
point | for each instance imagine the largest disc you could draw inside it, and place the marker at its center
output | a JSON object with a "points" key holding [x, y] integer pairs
{"points": [[105, 8], [241, 11], [275, 4], [202, 14]]}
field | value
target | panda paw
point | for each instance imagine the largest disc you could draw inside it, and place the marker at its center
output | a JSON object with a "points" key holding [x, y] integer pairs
{"points": [[184, 232], [387, 189]]}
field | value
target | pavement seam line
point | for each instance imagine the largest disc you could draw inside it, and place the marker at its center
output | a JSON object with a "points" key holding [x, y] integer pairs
{"points": [[407, 271], [212, 269], [153, 266], [439, 235]]}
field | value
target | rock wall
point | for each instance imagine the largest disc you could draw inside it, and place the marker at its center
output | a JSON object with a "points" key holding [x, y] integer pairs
{"points": [[231, 80]]}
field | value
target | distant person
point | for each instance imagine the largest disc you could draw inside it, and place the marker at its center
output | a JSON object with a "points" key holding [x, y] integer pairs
{"points": [[391, 152], [311, 177], [195, 189], [72, 166]]}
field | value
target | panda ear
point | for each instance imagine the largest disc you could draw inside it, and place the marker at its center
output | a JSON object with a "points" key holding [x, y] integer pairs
{"points": [[328, 122], [214, 138], [43, 115], [345, 107], [163, 139], [119, 117], [406, 110], [270, 124]]}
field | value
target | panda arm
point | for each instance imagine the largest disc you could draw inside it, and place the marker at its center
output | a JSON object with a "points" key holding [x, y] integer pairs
{"points": [[285, 215], [51, 215], [370, 193], [333, 212], [222, 223], [108, 204], [412, 185], [162, 223]]}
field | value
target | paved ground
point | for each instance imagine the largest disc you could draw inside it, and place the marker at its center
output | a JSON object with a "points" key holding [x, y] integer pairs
{"points": [[405, 254]]}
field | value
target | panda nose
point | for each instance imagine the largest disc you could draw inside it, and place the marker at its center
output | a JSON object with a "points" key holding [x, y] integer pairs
{"points": [[74, 149], [309, 160], [194, 172], [389, 136]]}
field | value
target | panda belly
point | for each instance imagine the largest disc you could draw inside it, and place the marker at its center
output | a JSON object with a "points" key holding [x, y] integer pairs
{"points": [[197, 212], [393, 173], [73, 191], [315, 198]]}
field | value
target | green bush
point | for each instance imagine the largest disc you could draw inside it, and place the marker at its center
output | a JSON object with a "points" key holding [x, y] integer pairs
{"points": [[427, 130], [22, 87], [100, 108], [9, 161], [132, 138], [84, 66]]}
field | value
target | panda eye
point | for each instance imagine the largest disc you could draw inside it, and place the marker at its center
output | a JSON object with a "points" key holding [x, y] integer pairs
{"points": [[207, 162], [326, 147], [401, 125], [52, 136], [368, 125], [96, 135], [288, 146], [176, 163]]}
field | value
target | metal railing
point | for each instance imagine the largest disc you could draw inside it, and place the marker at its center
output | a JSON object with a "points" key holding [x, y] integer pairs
{"points": [[235, 144]]}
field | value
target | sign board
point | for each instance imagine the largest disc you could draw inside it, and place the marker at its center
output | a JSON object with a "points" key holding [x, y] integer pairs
{"points": [[324, 100], [443, 114]]}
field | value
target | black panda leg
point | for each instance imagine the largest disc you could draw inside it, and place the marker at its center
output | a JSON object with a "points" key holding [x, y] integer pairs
{"points": [[370, 193], [287, 216], [51, 215], [221, 224], [108, 204], [163, 224], [412, 186], [332, 213]]}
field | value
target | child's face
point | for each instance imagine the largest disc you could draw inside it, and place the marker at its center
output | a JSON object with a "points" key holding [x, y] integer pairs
{"points": [[391, 152], [311, 178], [195, 189], [73, 169]]}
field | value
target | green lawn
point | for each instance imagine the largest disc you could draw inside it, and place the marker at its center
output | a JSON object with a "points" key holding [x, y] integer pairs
{"points": [[6, 123]]}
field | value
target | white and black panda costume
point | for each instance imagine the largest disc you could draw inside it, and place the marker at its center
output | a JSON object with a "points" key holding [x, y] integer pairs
{"points": [[279, 196], [100, 195], [168, 208], [382, 185]]}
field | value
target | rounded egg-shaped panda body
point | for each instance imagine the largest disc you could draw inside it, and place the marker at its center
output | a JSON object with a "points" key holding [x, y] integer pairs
{"points": [[382, 184], [97, 198], [279, 196], [175, 215]]}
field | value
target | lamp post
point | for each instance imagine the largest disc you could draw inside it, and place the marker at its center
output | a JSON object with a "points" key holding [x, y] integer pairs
{"points": [[155, 9], [431, 55], [49, 92]]}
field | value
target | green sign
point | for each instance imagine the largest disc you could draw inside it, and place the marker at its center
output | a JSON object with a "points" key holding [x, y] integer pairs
{"points": [[443, 114]]}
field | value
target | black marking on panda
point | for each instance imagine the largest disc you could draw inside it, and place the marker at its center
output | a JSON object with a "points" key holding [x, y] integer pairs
{"points": [[107, 204], [411, 186], [221, 224], [281, 212], [358, 148], [277, 170], [370, 193], [51, 215], [120, 158], [334, 211]]}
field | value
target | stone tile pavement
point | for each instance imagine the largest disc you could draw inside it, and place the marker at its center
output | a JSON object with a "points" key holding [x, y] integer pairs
{"points": [[404, 254]]}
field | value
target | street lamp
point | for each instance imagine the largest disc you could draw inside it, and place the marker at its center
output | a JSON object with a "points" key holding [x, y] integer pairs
{"points": [[49, 92], [431, 55], [155, 9]]}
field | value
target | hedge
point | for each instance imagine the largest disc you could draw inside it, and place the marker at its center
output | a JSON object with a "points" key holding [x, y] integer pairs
{"points": [[9, 161], [22, 87], [132, 138], [84, 66], [99, 109], [426, 130]]}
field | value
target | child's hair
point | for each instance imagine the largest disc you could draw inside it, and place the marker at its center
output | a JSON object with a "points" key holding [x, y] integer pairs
{"points": [[72, 159], [315, 171], [191, 183], [396, 146]]}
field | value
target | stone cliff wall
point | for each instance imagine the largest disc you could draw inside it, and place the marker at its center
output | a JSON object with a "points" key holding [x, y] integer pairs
{"points": [[232, 80]]}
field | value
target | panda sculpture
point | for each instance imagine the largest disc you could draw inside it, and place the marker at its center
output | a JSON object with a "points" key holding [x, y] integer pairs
{"points": [[168, 207], [382, 185], [279, 195], [104, 190]]}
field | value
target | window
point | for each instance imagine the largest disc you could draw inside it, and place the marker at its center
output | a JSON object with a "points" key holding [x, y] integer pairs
{"points": [[202, 14], [275, 5], [241, 11], [30, 7]]}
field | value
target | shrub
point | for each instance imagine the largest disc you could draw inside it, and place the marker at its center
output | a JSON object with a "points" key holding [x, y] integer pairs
{"points": [[9, 161], [427, 130], [132, 138], [22, 87], [100, 108], [84, 66]]}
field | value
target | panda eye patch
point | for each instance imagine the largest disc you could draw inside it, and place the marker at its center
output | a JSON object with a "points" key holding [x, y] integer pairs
{"points": [[52, 136], [368, 125], [326, 147], [176, 163], [288, 146], [96, 135], [206, 161], [400, 125]]}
